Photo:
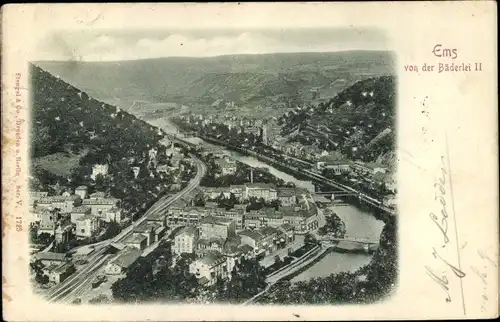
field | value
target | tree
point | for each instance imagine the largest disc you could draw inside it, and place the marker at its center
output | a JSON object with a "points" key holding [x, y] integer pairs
{"points": [[309, 239], [277, 260], [41, 279]]}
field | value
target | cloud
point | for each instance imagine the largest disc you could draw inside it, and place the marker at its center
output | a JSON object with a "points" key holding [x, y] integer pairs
{"points": [[108, 47]]}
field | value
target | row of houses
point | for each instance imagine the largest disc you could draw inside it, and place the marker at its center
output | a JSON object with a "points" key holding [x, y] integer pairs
{"points": [[266, 191], [301, 216], [217, 256]]}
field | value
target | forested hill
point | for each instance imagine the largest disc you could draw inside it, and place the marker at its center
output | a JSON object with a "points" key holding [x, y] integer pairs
{"points": [[359, 122], [65, 119]]}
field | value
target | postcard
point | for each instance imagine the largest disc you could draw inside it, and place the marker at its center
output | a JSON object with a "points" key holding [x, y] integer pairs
{"points": [[249, 161]]}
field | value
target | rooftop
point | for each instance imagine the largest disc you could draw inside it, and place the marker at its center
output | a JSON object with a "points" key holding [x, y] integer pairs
{"points": [[126, 257], [80, 209], [100, 201], [212, 259], [255, 235], [135, 239], [287, 227], [189, 230], [81, 188], [215, 220], [260, 186], [286, 192], [50, 256]]}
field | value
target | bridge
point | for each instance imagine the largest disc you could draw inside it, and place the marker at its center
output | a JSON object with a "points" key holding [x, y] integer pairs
{"points": [[360, 240], [336, 193], [181, 140]]}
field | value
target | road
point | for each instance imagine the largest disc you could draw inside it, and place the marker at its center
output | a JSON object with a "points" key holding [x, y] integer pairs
{"points": [[83, 277]]}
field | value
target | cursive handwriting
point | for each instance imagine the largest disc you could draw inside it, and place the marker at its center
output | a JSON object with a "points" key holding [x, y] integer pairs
{"points": [[440, 219], [483, 276]]}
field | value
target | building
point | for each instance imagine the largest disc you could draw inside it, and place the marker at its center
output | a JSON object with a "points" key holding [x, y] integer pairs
{"points": [[288, 233], [137, 241], [97, 195], [101, 204], [287, 196], [99, 169], [35, 196], [215, 192], [237, 215], [211, 226], [59, 272], [263, 241], [390, 201], [49, 258], [86, 226], [122, 262], [187, 216], [369, 168], [226, 166], [260, 190], [64, 232], [79, 212], [113, 214], [81, 191], [185, 240], [338, 166], [151, 230], [209, 268], [48, 221], [64, 204]]}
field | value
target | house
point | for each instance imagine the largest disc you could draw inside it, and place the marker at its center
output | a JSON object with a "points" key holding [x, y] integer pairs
{"points": [[48, 221], [64, 204], [36, 195], [260, 190], [113, 214], [338, 166], [369, 168], [185, 240], [122, 262], [152, 231], [86, 226], [79, 212], [227, 166], [64, 232], [97, 195], [59, 272], [99, 169], [187, 216], [204, 246], [211, 226], [288, 232], [235, 215], [209, 268], [101, 204], [137, 241], [215, 192], [49, 258], [81, 191], [287, 196]]}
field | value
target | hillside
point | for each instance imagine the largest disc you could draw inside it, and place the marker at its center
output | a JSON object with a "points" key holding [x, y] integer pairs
{"points": [[359, 122], [245, 79], [71, 130]]}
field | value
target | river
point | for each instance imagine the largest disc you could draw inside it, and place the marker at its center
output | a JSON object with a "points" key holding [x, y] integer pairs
{"points": [[358, 223]]}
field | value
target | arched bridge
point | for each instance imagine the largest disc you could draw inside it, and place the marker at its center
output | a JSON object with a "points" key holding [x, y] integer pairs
{"points": [[361, 240]]}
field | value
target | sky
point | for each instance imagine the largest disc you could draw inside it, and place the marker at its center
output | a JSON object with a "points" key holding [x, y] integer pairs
{"points": [[116, 45]]}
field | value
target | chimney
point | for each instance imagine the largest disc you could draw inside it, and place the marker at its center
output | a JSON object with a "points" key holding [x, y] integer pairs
{"points": [[251, 175]]}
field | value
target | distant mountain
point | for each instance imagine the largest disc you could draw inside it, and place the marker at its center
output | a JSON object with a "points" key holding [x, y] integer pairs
{"points": [[244, 79], [359, 122]]}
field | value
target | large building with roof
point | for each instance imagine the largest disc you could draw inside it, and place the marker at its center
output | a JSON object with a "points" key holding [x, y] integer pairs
{"points": [[210, 268], [124, 259], [211, 226], [185, 241]]}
